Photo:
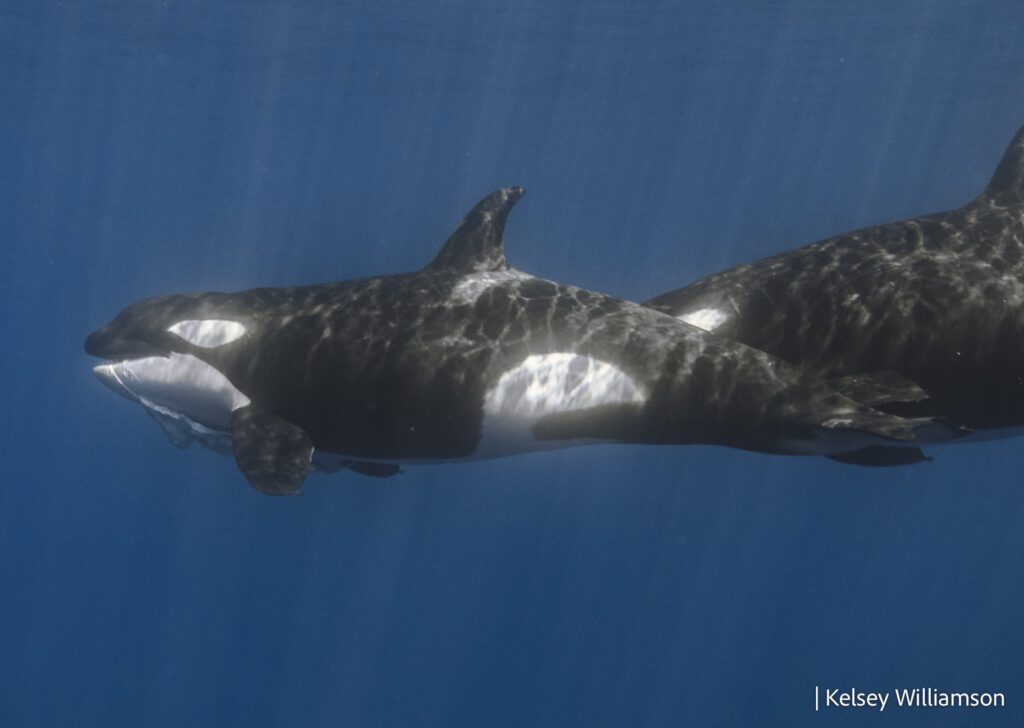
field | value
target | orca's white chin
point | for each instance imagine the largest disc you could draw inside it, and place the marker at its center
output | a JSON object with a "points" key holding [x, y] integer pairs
{"points": [[110, 375], [180, 383]]}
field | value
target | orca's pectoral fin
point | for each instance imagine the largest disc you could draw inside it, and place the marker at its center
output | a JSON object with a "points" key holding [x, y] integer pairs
{"points": [[893, 428], [878, 388], [374, 470], [876, 456], [273, 454]]}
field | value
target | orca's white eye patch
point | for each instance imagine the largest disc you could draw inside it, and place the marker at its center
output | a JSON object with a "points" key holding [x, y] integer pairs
{"points": [[208, 333]]}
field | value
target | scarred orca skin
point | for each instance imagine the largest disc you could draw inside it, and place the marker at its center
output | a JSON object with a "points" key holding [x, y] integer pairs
{"points": [[466, 358], [937, 299]]}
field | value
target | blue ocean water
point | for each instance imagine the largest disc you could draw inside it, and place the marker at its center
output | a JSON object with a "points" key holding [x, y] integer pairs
{"points": [[154, 147]]}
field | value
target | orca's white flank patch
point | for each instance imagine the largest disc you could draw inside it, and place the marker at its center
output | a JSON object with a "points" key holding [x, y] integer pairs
{"points": [[708, 319], [544, 384], [208, 333], [180, 383]]}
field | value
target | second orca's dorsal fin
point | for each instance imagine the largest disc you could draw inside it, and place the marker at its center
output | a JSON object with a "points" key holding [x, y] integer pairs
{"points": [[1009, 175], [477, 245]]}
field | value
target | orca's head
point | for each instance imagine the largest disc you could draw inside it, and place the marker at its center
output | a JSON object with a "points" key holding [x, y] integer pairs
{"points": [[161, 352], [161, 326]]}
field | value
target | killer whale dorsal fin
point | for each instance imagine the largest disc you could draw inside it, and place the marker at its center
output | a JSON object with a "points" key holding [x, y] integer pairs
{"points": [[477, 245], [1009, 175]]}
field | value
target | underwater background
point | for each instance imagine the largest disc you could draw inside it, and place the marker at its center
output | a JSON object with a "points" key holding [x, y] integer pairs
{"points": [[157, 147]]}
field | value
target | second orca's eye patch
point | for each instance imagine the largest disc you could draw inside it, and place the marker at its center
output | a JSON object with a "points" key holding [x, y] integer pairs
{"points": [[208, 333]]}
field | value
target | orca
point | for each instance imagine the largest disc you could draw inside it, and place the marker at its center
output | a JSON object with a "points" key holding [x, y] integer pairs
{"points": [[466, 358], [936, 299]]}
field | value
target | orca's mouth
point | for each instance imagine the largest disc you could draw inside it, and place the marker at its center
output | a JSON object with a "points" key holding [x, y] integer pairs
{"points": [[117, 375], [104, 344], [181, 428], [180, 383]]}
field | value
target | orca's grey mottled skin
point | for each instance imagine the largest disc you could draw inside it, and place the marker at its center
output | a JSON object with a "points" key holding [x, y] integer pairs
{"points": [[937, 299], [436, 365]]}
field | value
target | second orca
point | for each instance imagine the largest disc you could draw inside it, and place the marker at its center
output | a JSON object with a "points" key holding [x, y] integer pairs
{"points": [[937, 299]]}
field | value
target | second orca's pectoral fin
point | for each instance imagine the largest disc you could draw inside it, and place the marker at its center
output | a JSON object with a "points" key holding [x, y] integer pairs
{"points": [[373, 470], [894, 428], [878, 388], [477, 245], [876, 456], [273, 454]]}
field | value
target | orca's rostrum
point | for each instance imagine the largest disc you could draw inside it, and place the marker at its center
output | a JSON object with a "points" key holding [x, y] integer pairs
{"points": [[466, 358]]}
